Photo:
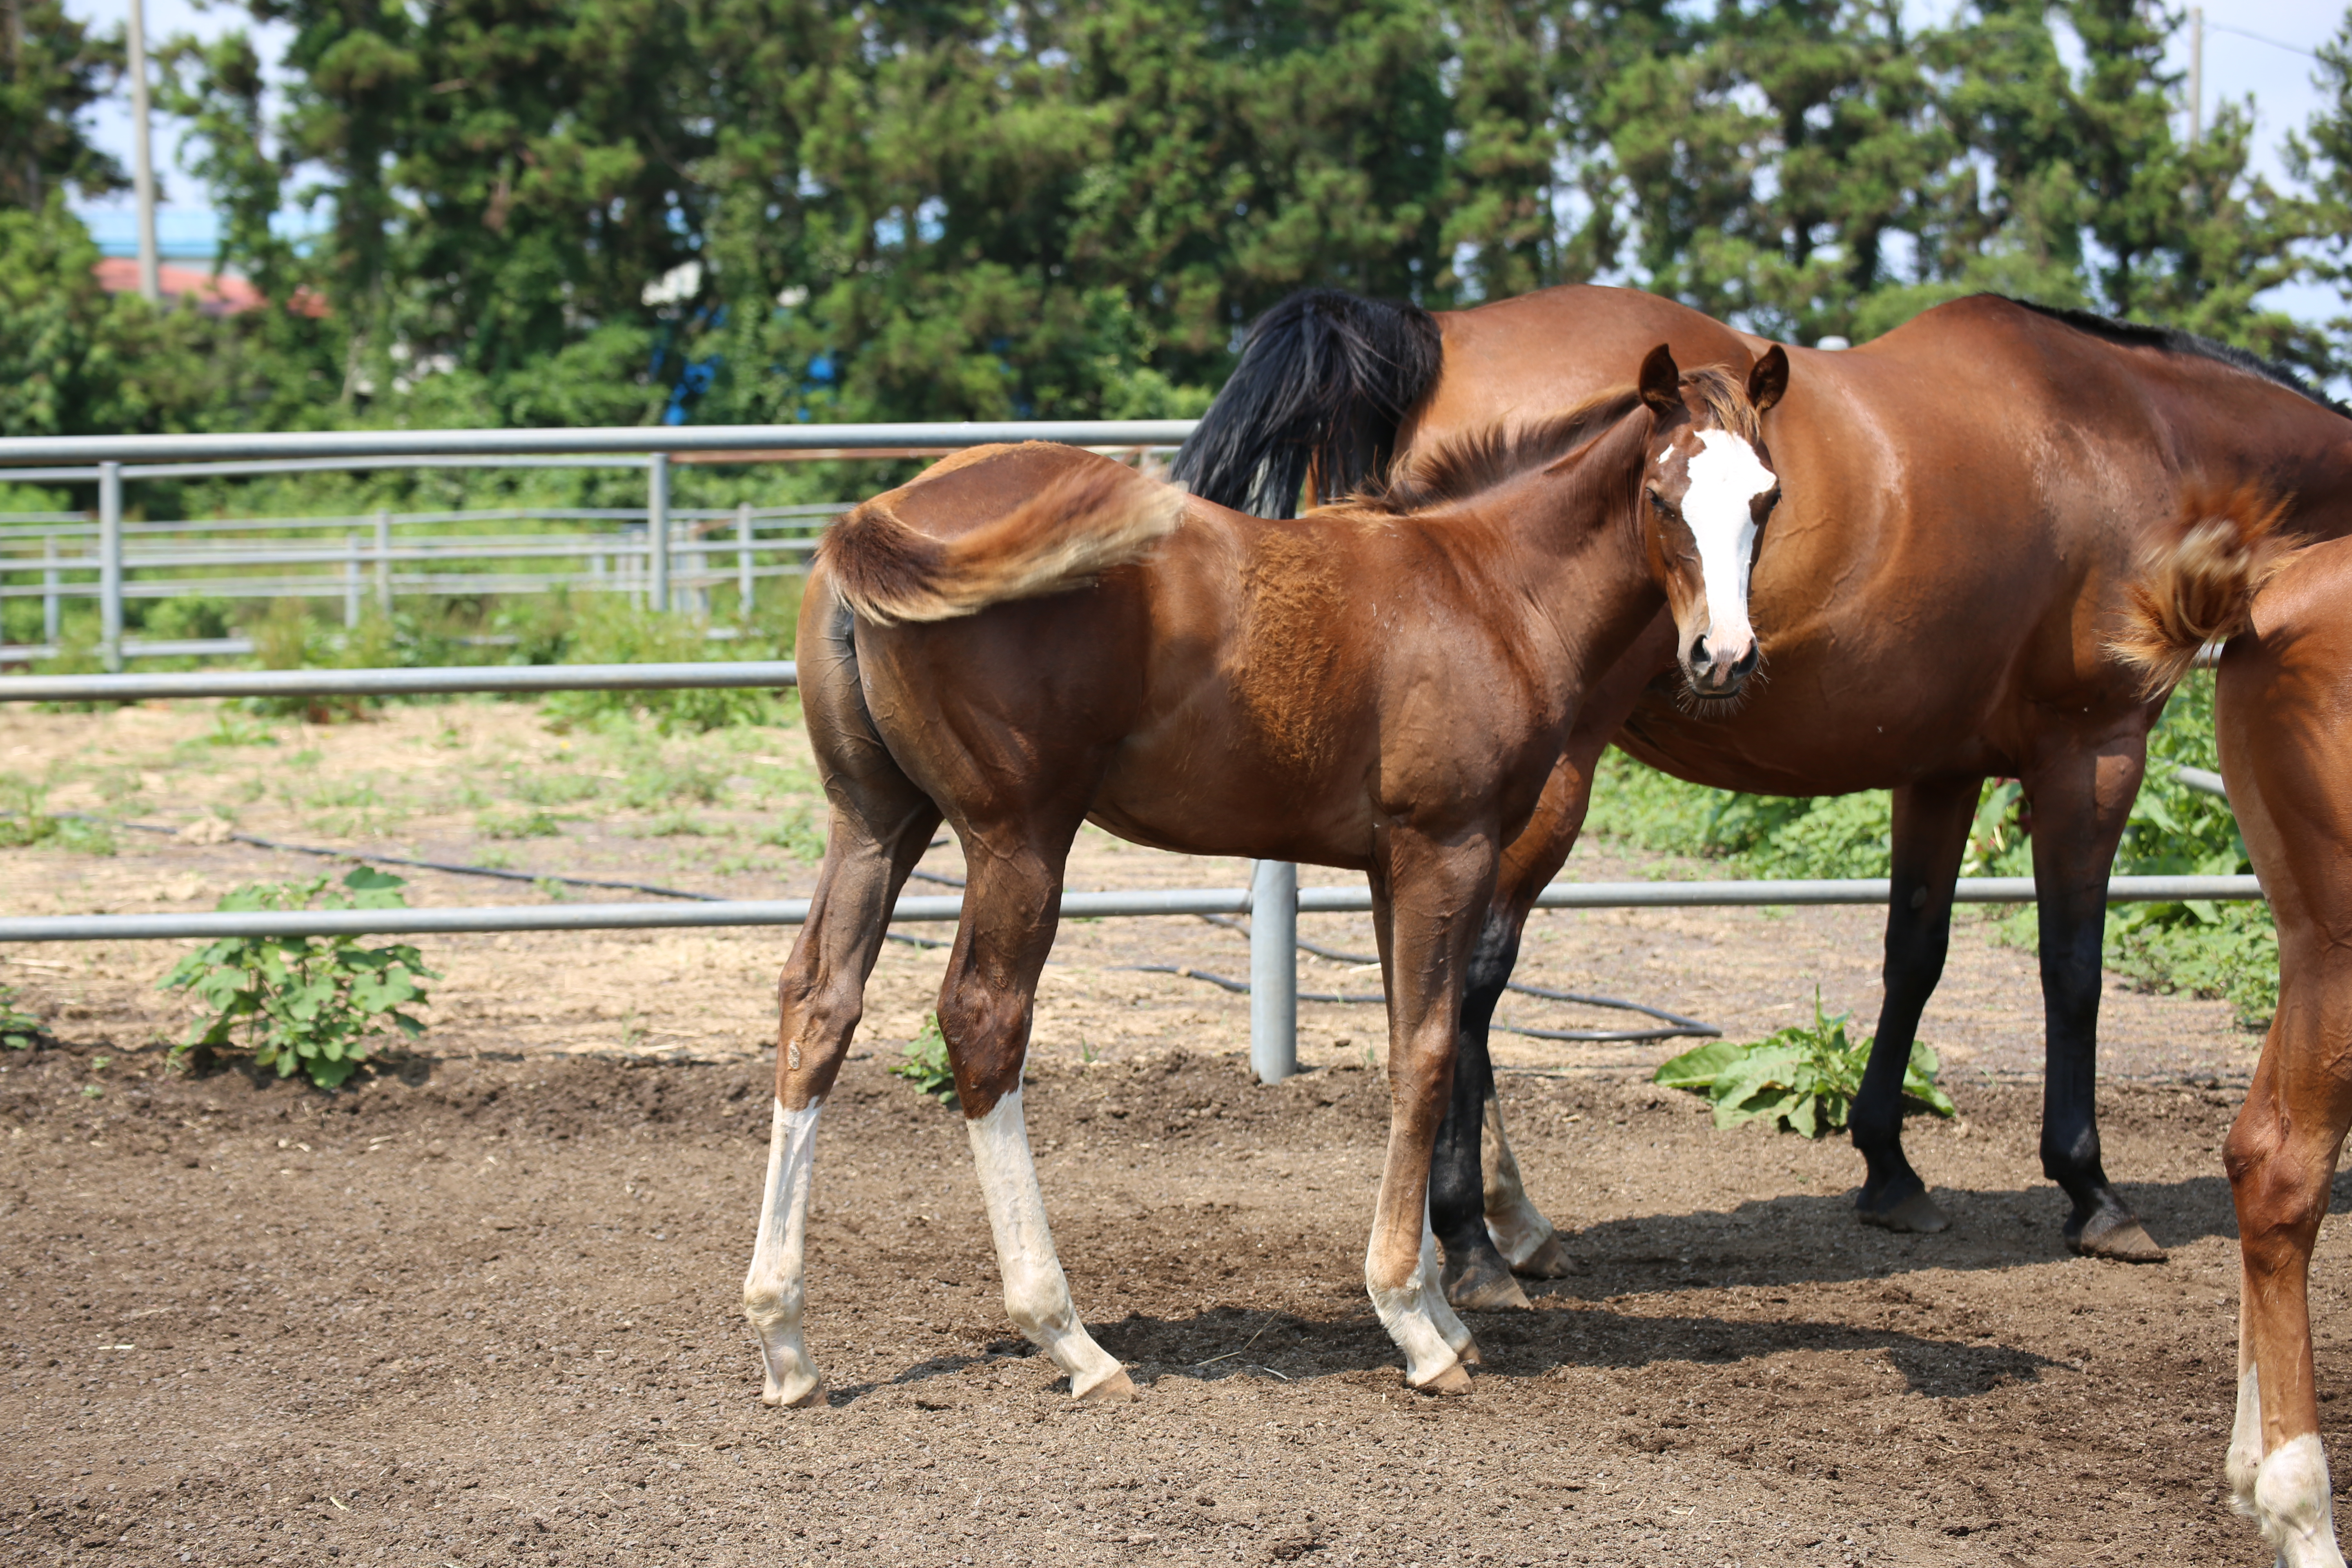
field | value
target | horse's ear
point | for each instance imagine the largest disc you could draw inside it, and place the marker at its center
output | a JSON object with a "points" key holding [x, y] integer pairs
{"points": [[1661, 381], [1767, 383]]}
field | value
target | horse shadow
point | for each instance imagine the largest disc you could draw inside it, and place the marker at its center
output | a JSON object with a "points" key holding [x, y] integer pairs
{"points": [[1812, 1239], [1224, 1343]]}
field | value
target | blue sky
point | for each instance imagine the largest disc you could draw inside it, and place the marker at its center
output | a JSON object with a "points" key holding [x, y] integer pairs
{"points": [[2236, 67]]}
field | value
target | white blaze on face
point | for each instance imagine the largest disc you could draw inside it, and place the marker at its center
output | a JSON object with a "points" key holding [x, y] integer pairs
{"points": [[1725, 480]]}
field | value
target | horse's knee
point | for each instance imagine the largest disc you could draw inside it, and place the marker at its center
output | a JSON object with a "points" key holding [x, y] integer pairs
{"points": [[816, 1015], [2280, 1188]]}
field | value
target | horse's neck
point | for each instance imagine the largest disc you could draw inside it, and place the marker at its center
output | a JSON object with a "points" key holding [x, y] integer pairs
{"points": [[1569, 543]]}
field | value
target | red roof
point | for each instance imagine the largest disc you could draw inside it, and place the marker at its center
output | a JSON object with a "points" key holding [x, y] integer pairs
{"points": [[227, 295]]}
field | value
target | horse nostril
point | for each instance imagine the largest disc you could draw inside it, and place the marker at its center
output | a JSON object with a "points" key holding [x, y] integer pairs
{"points": [[1748, 661], [1699, 655]]}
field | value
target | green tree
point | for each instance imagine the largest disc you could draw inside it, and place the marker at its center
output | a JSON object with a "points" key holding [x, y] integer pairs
{"points": [[55, 68]]}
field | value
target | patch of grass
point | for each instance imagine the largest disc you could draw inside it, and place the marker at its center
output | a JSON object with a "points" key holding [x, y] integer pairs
{"points": [[924, 1064], [531, 824], [742, 865], [231, 728], [23, 819], [657, 784], [794, 830], [603, 630], [535, 788], [307, 1005], [1804, 1077], [679, 824]]}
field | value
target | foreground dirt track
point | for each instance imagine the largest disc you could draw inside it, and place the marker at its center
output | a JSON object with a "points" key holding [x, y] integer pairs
{"points": [[484, 1312]]}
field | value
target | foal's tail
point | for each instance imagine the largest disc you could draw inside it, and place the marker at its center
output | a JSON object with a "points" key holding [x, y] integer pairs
{"points": [[1080, 525], [2199, 578], [1323, 383]]}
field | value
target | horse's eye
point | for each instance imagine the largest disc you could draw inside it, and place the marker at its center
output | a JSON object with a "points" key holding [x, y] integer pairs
{"points": [[1661, 503]]}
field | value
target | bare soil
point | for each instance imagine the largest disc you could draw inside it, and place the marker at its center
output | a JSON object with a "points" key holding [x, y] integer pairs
{"points": [[481, 1306]]}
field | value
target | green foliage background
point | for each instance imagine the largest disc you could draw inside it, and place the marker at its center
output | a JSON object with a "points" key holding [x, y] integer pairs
{"points": [[2227, 950], [948, 210]]}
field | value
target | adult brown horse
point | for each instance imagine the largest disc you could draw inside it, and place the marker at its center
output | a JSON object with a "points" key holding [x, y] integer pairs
{"points": [[1966, 498], [1029, 638], [2282, 702]]}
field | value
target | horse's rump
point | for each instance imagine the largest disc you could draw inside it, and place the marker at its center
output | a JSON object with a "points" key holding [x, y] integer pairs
{"points": [[2199, 578], [1098, 515]]}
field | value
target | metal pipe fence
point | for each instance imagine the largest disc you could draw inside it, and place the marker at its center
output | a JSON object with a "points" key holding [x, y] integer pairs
{"points": [[935, 908], [1274, 900], [666, 560]]}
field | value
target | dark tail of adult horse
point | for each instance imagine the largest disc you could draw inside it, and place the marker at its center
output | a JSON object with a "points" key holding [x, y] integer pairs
{"points": [[1323, 382]]}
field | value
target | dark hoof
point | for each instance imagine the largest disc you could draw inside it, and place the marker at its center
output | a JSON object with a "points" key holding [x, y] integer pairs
{"points": [[1482, 1282], [2113, 1233], [1548, 1261], [1915, 1216]]}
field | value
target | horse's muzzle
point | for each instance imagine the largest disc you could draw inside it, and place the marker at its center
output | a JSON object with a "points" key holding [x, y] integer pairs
{"points": [[1720, 670]]}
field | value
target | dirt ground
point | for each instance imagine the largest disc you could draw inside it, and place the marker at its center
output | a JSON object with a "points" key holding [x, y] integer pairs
{"points": [[481, 1306]]}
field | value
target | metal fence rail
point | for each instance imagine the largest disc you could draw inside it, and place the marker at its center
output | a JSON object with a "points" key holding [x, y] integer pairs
{"points": [[939, 907], [751, 440], [1274, 900], [445, 679]]}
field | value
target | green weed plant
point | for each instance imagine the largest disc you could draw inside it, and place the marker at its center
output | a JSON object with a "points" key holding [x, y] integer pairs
{"points": [[20, 1030], [924, 1063], [309, 1005], [1803, 1078]]}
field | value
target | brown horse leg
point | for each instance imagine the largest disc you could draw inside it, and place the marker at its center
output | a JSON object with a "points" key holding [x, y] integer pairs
{"points": [[1930, 834], [2081, 798], [2281, 1157], [1417, 900], [987, 1001], [880, 828]]}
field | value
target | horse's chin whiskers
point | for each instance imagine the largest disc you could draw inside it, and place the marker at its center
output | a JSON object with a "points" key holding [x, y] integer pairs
{"points": [[1693, 703]]}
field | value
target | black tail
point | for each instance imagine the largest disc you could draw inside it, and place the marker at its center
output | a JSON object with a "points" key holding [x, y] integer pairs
{"points": [[1323, 383]]}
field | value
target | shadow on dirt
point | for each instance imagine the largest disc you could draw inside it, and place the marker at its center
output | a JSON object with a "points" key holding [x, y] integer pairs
{"points": [[1806, 1239], [1227, 1343]]}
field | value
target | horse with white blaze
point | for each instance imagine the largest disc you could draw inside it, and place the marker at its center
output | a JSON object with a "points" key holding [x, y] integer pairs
{"points": [[1028, 637]]}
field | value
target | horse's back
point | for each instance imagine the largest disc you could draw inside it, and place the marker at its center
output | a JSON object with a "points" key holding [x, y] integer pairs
{"points": [[1518, 360]]}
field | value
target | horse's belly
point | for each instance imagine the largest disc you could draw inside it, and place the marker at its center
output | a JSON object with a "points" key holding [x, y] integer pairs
{"points": [[1792, 737]]}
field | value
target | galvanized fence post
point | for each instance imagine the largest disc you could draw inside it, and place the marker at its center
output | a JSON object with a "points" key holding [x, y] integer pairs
{"points": [[1273, 970], [658, 532], [351, 582], [50, 580], [110, 565], [743, 562], [383, 561]]}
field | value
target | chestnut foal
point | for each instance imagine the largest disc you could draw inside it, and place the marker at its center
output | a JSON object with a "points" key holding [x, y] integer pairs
{"points": [[2280, 699], [1029, 638]]}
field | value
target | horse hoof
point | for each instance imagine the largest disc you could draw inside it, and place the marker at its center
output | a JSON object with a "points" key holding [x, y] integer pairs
{"points": [[1468, 1354], [1453, 1380], [1483, 1284], [1116, 1389], [1548, 1261], [808, 1398], [2117, 1237], [1915, 1216]]}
